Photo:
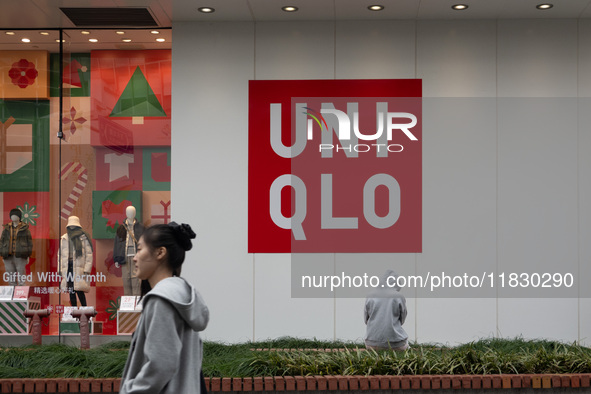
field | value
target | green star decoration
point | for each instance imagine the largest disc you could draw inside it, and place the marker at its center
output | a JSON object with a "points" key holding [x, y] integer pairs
{"points": [[29, 214], [113, 308]]}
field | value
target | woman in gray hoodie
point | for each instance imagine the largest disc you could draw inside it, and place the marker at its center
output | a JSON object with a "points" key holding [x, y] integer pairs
{"points": [[166, 352]]}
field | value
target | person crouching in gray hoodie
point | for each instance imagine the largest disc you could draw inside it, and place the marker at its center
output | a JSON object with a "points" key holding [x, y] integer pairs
{"points": [[384, 314], [166, 351]]}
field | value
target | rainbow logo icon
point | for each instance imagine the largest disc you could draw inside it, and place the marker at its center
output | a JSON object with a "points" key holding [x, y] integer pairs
{"points": [[315, 117]]}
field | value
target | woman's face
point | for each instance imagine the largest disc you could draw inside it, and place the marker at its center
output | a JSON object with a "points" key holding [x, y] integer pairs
{"points": [[146, 262]]}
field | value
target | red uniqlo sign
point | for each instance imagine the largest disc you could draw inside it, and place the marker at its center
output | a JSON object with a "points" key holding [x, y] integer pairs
{"points": [[335, 166]]}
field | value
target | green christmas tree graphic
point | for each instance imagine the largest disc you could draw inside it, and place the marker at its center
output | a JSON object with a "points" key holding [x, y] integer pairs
{"points": [[138, 99]]}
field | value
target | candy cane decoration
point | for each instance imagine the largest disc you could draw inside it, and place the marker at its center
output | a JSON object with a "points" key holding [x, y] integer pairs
{"points": [[76, 168]]}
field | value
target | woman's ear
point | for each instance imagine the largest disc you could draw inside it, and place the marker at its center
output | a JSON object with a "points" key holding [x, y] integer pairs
{"points": [[161, 253]]}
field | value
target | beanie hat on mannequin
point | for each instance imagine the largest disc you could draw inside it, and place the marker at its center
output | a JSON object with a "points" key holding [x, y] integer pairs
{"points": [[16, 212]]}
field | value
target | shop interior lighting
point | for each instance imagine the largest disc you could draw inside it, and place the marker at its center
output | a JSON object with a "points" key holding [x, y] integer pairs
{"points": [[155, 32], [376, 7], [85, 32], [206, 10], [289, 8], [545, 6], [9, 33], [25, 40], [126, 40], [44, 33], [459, 7], [120, 32], [160, 39], [92, 40]]}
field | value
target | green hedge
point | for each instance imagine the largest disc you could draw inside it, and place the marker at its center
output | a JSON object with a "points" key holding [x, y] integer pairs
{"points": [[491, 356], [61, 361], [487, 356]]}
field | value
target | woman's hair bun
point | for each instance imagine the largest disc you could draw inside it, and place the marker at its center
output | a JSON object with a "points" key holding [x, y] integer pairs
{"points": [[183, 233]]}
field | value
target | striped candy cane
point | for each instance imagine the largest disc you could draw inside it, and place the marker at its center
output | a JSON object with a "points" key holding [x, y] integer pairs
{"points": [[75, 168]]}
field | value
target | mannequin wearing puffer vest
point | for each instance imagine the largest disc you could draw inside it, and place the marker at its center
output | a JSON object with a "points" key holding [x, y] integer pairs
{"points": [[16, 246], [75, 257], [124, 250]]}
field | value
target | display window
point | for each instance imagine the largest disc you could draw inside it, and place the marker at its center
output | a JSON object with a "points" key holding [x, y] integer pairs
{"points": [[85, 132]]}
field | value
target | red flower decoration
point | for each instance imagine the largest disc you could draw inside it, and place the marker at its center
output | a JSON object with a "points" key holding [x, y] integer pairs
{"points": [[23, 73]]}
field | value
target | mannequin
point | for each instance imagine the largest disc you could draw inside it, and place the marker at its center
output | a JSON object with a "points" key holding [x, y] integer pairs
{"points": [[128, 233], [16, 246], [75, 261]]}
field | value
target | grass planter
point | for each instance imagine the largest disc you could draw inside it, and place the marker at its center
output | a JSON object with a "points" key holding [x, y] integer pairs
{"points": [[292, 364], [484, 357]]}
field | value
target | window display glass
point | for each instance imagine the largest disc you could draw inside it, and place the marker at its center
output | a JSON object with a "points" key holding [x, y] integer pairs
{"points": [[84, 167]]}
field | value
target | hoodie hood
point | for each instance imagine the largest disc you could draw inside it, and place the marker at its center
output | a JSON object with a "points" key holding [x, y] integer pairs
{"points": [[185, 299], [387, 288], [387, 280]]}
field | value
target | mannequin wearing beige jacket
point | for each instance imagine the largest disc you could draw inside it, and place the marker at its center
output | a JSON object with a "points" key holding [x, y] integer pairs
{"points": [[75, 261]]}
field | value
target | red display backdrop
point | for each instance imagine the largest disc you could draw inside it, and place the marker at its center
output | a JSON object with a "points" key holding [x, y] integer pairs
{"points": [[335, 166]]}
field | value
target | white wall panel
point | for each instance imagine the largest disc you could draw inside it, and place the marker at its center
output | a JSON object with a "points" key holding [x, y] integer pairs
{"points": [[459, 190], [456, 58], [584, 205], [349, 323], [584, 57], [537, 210], [584, 180], [375, 49], [291, 50], [294, 50], [276, 313], [459, 218], [584, 326], [537, 58], [209, 166], [538, 318], [537, 196], [452, 321]]}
